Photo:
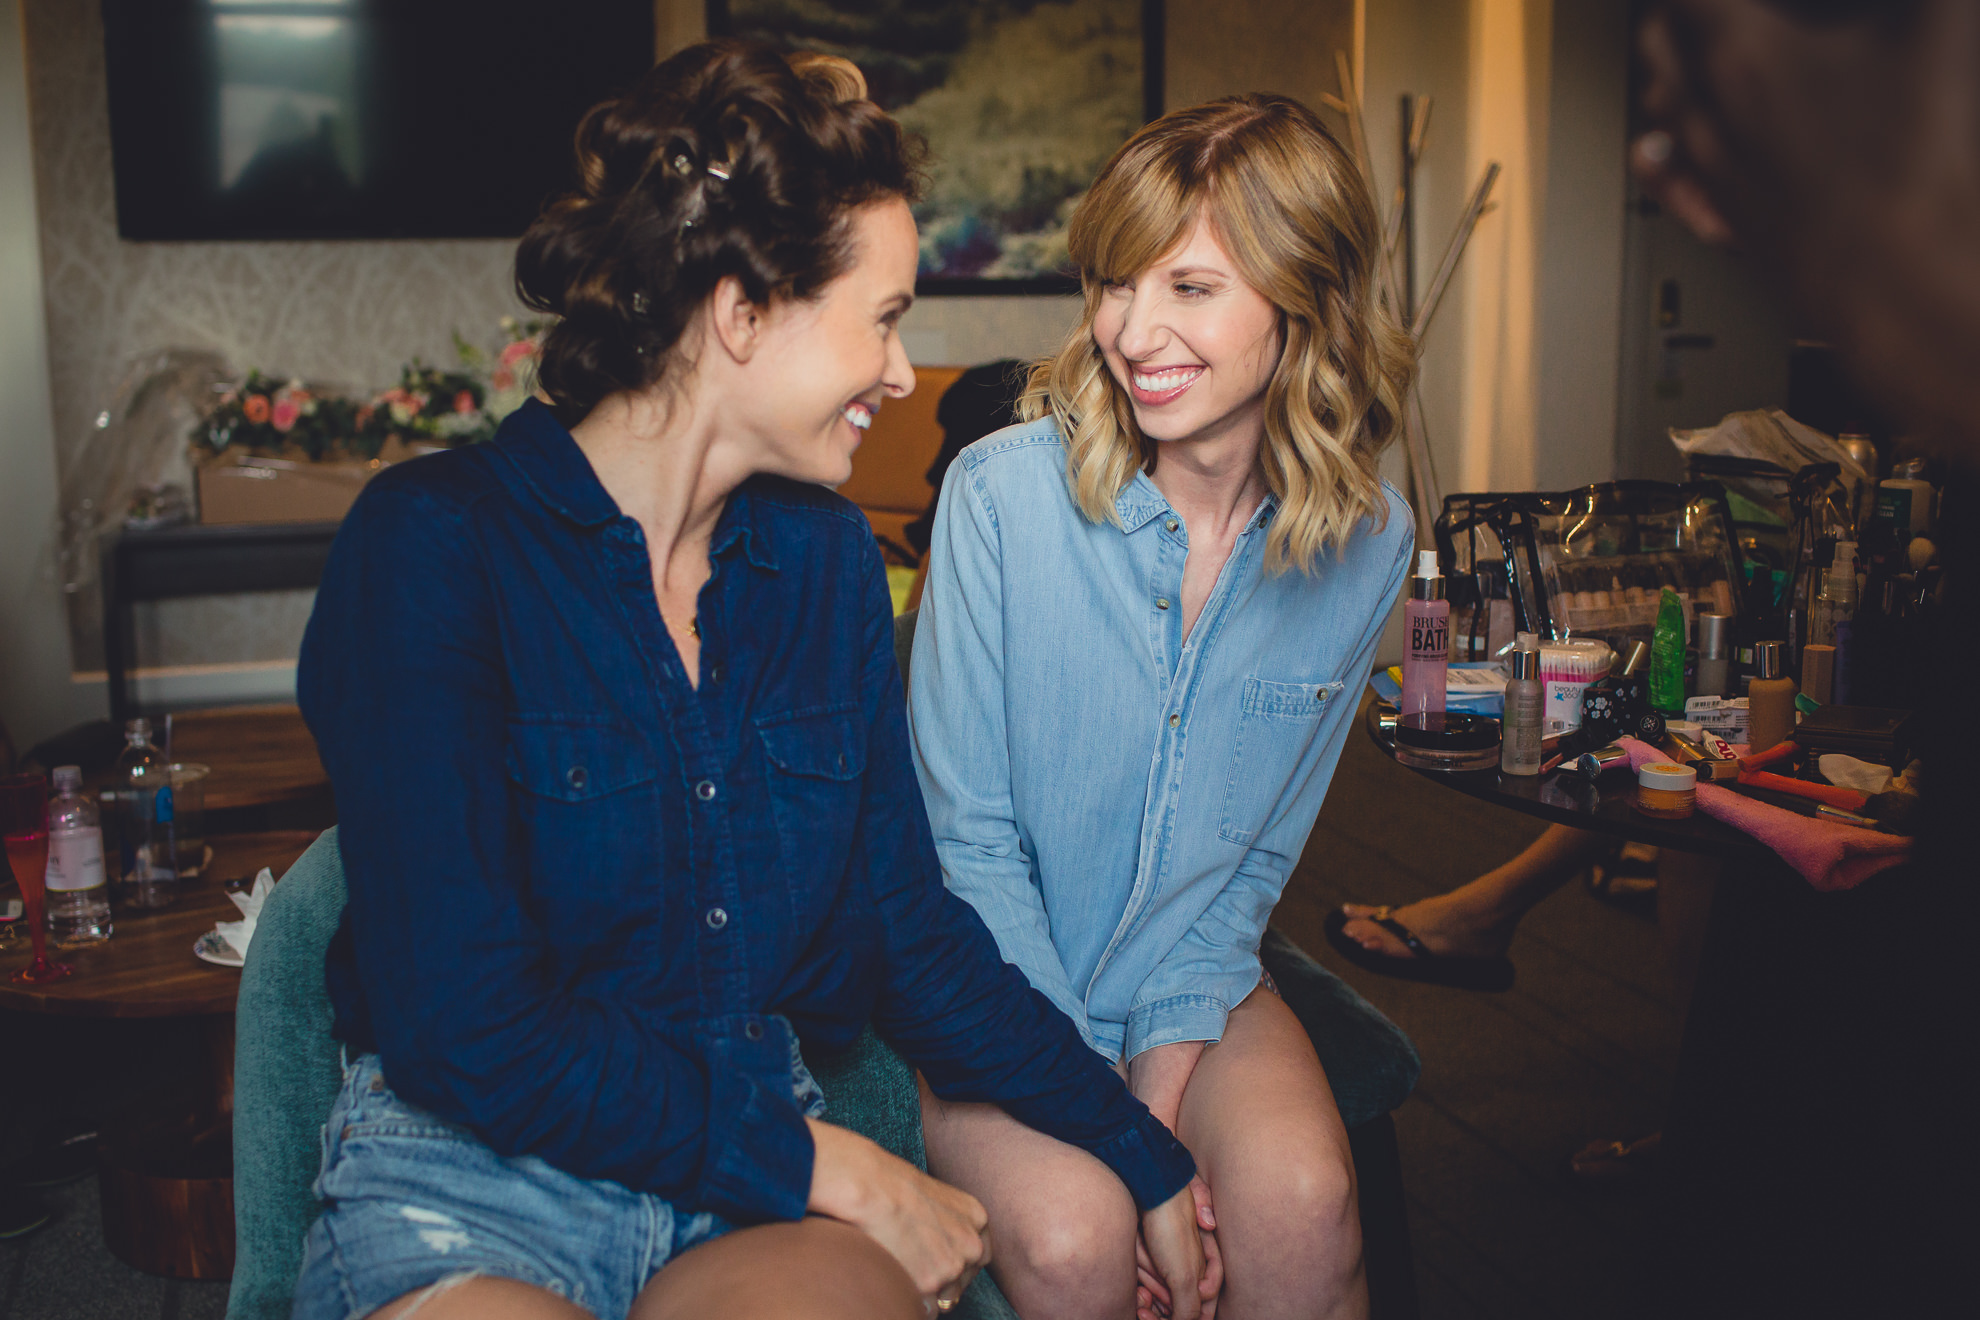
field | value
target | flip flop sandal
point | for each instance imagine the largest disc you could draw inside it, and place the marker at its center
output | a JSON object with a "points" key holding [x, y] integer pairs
{"points": [[1459, 972], [61, 1162], [1620, 886], [20, 1213], [1615, 1164]]}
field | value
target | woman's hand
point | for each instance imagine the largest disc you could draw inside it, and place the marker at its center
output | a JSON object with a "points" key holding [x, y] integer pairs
{"points": [[1177, 1265], [938, 1233]]}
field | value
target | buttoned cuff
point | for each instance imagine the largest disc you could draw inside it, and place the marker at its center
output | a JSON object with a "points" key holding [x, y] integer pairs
{"points": [[758, 1153], [1149, 1160], [1177, 1018]]}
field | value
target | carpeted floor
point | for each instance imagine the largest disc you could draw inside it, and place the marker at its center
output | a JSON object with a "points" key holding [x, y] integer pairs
{"points": [[1582, 1048]]}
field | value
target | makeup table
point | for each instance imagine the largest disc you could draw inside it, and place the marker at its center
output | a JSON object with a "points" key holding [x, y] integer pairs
{"points": [[1565, 798], [1800, 1122]]}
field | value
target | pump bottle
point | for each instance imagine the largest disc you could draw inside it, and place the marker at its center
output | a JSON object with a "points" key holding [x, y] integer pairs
{"points": [[1521, 730], [1427, 629]]}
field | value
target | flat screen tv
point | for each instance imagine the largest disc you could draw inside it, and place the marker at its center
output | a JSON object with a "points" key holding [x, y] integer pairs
{"points": [[310, 119]]}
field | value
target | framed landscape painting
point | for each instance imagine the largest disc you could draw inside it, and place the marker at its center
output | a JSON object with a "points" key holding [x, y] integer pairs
{"points": [[1020, 102]]}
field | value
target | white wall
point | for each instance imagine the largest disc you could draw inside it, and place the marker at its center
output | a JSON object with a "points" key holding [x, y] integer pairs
{"points": [[1520, 369], [36, 698]]}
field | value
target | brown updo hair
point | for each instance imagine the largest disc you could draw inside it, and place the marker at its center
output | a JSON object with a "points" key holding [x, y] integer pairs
{"points": [[729, 158]]}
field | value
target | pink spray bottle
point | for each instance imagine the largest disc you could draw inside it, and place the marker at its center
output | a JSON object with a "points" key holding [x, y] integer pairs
{"points": [[1427, 634]]}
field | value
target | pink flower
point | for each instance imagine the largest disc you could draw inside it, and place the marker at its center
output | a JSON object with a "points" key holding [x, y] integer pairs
{"points": [[517, 351], [285, 412], [255, 409], [464, 402], [503, 378], [364, 415]]}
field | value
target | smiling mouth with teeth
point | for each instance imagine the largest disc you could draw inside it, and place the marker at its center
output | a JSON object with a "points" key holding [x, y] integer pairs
{"points": [[858, 414], [1170, 381]]}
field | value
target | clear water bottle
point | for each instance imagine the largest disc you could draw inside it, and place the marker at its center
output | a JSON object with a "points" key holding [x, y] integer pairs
{"points": [[78, 895], [145, 873]]}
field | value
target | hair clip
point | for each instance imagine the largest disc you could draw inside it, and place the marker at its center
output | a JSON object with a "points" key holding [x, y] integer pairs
{"points": [[720, 171], [639, 304], [683, 166]]}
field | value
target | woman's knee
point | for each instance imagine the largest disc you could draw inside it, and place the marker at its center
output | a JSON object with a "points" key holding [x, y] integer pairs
{"points": [[1304, 1185], [1071, 1238]]}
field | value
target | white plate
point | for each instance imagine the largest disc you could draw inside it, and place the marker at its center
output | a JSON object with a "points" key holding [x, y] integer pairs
{"points": [[211, 947]]}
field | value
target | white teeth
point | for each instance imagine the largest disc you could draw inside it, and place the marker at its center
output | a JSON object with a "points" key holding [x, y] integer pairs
{"points": [[859, 415], [1163, 381]]}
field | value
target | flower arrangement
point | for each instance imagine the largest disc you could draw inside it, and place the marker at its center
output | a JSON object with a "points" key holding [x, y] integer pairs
{"points": [[263, 417], [429, 407]]}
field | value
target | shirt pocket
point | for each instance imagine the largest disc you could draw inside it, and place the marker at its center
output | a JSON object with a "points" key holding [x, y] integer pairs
{"points": [[817, 764], [583, 803], [1277, 722]]}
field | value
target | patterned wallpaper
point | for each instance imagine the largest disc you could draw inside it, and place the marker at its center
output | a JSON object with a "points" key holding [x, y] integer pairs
{"points": [[344, 312]]}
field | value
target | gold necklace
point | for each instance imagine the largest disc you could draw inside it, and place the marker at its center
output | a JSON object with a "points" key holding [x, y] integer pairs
{"points": [[693, 627]]}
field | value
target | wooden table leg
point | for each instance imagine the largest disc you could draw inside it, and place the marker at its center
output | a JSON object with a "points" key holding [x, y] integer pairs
{"points": [[167, 1178]]}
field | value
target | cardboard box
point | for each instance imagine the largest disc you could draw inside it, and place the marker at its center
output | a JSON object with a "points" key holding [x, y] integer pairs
{"points": [[254, 488]]}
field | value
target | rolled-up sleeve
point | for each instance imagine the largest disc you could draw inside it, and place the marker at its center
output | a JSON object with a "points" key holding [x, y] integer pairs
{"points": [[403, 684]]}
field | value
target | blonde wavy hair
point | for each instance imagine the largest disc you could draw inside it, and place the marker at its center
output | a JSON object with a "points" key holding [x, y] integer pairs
{"points": [[1293, 211]]}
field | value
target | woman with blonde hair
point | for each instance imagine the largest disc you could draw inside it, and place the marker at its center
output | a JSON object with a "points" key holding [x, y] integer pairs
{"points": [[1149, 611]]}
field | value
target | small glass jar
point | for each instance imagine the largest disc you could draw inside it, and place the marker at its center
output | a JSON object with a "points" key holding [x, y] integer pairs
{"points": [[1665, 791], [1448, 740]]}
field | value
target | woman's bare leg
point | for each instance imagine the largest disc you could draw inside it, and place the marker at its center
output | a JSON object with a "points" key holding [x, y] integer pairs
{"points": [[1260, 1118], [476, 1298], [816, 1269], [1061, 1224], [1477, 918]]}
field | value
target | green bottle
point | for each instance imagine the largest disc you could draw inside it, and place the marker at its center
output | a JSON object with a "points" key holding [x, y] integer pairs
{"points": [[1667, 656]]}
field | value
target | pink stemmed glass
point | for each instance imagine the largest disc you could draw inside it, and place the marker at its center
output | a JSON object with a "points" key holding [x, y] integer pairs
{"points": [[24, 826]]}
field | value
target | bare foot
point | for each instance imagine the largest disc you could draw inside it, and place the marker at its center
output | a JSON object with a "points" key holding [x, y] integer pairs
{"points": [[1446, 924]]}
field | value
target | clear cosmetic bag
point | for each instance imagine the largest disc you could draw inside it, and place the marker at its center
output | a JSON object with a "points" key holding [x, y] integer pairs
{"points": [[1589, 563]]}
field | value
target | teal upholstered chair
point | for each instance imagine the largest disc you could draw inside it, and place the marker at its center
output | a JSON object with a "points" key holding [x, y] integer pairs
{"points": [[287, 1070]]}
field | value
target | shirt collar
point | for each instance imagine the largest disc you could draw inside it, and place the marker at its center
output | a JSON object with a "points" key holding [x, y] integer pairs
{"points": [[742, 520], [553, 467], [1141, 502], [557, 472]]}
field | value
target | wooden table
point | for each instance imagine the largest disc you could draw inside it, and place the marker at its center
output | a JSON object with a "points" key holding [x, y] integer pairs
{"points": [[167, 1178], [259, 755], [147, 969]]}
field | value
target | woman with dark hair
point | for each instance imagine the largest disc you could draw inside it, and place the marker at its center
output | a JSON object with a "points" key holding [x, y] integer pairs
{"points": [[1147, 615], [626, 802]]}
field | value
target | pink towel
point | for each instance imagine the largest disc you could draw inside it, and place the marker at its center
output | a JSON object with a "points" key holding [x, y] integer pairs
{"points": [[1829, 854]]}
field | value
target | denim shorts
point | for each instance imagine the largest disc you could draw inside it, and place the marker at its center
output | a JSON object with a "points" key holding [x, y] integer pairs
{"points": [[413, 1201]]}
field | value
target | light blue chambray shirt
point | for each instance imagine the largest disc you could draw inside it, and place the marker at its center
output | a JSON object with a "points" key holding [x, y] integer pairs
{"points": [[1121, 805]]}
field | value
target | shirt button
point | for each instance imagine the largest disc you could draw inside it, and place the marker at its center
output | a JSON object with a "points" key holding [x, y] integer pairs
{"points": [[1161, 602], [754, 1031], [716, 918], [715, 673], [1172, 524], [577, 777], [1174, 720], [705, 790]]}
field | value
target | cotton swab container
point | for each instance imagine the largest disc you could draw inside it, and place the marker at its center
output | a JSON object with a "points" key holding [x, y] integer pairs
{"points": [[1566, 668]]}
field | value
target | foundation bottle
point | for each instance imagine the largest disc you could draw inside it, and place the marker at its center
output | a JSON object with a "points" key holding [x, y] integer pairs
{"points": [[1769, 699]]}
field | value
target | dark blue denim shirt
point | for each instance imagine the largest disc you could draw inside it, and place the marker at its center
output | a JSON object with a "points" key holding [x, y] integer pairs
{"points": [[585, 896]]}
